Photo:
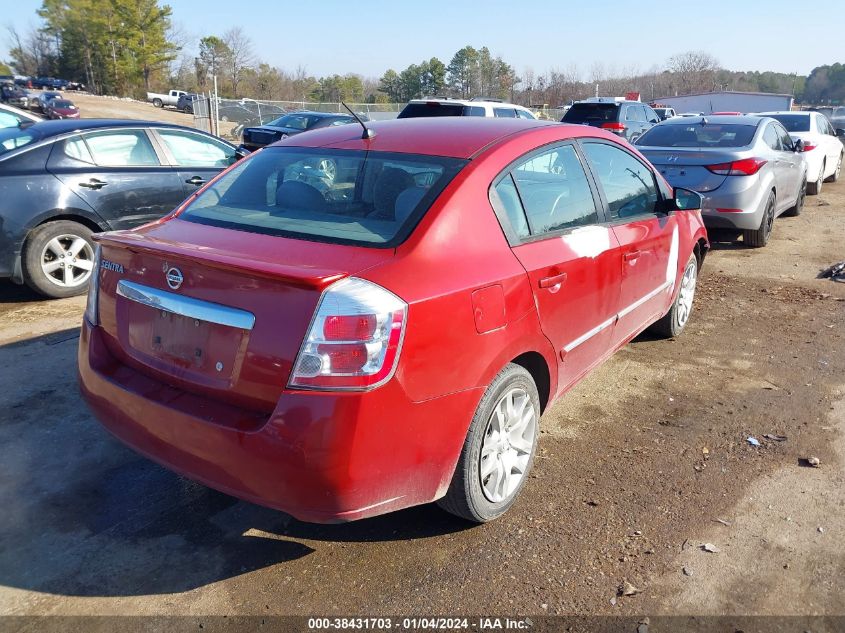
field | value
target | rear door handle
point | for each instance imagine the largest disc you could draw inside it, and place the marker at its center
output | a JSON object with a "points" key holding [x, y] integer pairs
{"points": [[552, 281], [631, 256], [196, 180], [93, 183]]}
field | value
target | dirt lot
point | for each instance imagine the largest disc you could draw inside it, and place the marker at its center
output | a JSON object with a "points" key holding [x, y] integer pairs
{"points": [[639, 466]]}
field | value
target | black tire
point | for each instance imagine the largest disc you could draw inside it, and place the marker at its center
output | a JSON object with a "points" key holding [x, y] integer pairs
{"points": [[758, 238], [834, 177], [815, 188], [158, 103], [673, 322], [799, 204], [466, 498], [37, 241]]}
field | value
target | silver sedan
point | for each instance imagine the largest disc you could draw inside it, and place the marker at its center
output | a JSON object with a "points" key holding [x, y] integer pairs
{"points": [[747, 168]]}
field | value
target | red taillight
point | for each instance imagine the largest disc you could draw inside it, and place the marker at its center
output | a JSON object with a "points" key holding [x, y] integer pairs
{"points": [[808, 146], [744, 167], [614, 127], [354, 339]]}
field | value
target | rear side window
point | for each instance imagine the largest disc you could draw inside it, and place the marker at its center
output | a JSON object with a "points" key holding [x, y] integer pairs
{"points": [[771, 138], [509, 113], [587, 112], [347, 197], [698, 135], [628, 184], [193, 150], [793, 122], [635, 113], [123, 148], [435, 108], [554, 191]]}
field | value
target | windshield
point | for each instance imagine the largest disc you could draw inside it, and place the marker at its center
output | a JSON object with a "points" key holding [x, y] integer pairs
{"points": [[14, 137], [698, 135], [351, 197], [58, 103], [793, 122], [584, 112], [294, 121]]}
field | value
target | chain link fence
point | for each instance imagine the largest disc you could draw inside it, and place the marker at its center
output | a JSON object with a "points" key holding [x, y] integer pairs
{"points": [[228, 117]]}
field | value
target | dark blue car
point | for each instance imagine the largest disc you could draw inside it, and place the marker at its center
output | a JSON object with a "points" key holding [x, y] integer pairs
{"points": [[290, 124], [61, 181]]}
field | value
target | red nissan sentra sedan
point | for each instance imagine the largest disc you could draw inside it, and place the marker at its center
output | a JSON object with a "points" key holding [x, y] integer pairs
{"points": [[341, 326]]}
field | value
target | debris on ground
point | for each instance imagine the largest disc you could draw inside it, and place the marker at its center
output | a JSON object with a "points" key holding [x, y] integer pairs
{"points": [[627, 589], [834, 273], [753, 441], [709, 547], [815, 462], [775, 438], [820, 529], [722, 521], [687, 571]]}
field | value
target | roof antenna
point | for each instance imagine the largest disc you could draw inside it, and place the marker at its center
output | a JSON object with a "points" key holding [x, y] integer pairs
{"points": [[368, 133]]}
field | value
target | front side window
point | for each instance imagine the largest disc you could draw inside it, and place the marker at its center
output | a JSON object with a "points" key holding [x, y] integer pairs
{"points": [[121, 148], [786, 142], [628, 184], [771, 138], [554, 191], [193, 150], [635, 113], [349, 197]]}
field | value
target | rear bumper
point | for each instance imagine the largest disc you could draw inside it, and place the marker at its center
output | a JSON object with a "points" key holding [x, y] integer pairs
{"points": [[320, 457], [745, 193]]}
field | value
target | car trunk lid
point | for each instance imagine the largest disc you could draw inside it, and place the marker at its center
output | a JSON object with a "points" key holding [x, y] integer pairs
{"points": [[223, 315], [687, 168]]}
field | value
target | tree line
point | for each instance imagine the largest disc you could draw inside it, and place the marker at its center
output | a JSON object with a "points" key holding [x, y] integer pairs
{"points": [[127, 47]]}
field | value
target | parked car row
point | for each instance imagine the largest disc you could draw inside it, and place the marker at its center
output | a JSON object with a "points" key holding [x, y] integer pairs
{"points": [[42, 83]]}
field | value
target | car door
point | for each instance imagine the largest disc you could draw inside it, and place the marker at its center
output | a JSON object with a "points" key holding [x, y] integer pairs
{"points": [[197, 158], [119, 174], [555, 225], [647, 237], [792, 166], [832, 144]]}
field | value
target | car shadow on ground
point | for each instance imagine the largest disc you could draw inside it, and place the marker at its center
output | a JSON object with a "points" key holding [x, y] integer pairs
{"points": [[86, 516], [14, 293]]}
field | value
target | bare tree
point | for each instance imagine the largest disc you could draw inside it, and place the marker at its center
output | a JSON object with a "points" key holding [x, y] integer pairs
{"points": [[694, 71], [241, 56]]}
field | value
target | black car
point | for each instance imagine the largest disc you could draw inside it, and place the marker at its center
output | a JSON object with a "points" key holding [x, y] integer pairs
{"points": [[290, 124], [14, 96], [185, 103], [628, 119], [64, 180]]}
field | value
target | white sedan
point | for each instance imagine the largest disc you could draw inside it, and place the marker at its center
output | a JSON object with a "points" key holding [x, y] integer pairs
{"points": [[822, 147]]}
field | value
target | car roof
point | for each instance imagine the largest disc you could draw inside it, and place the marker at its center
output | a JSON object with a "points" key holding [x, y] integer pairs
{"points": [[62, 126], [468, 102], [798, 112], [738, 119], [456, 137]]}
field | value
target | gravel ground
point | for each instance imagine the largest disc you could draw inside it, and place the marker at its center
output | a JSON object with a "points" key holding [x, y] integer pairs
{"points": [[639, 466]]}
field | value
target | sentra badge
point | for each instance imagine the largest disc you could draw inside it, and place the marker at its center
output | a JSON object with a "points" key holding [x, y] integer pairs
{"points": [[118, 268]]}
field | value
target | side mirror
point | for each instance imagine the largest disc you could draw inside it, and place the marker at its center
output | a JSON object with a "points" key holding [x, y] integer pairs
{"points": [[798, 145], [241, 152], [687, 200]]}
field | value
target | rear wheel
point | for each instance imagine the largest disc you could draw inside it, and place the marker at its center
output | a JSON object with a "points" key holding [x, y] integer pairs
{"points": [[799, 203], [499, 448], [760, 237], [815, 188], [835, 175], [58, 258], [674, 321], [158, 103]]}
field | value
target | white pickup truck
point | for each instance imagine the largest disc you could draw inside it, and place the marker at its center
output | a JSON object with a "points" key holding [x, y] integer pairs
{"points": [[161, 100]]}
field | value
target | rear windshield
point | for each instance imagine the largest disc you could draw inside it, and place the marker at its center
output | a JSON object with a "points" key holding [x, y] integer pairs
{"points": [[14, 137], [586, 112], [698, 135], [435, 108], [793, 122], [348, 197]]}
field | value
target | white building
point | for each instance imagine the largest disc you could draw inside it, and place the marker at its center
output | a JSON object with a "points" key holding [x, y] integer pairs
{"points": [[744, 102]]}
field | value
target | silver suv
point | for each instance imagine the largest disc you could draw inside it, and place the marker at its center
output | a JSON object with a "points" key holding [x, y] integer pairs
{"points": [[443, 106]]}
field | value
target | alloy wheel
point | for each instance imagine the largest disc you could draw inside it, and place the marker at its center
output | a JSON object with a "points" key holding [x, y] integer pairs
{"points": [[687, 293], [770, 217], [67, 260], [507, 445]]}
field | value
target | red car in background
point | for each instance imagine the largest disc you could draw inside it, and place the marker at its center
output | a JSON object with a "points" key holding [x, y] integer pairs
{"points": [[61, 109], [346, 324]]}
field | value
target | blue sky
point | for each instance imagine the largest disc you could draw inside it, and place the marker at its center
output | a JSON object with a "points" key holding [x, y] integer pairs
{"points": [[370, 36]]}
